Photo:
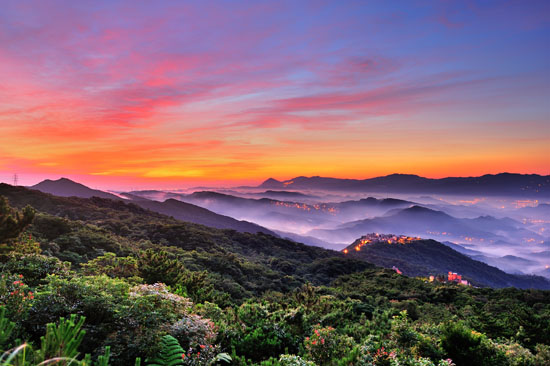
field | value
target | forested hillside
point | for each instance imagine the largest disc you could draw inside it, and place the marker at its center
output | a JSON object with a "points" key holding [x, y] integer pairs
{"points": [[113, 283], [429, 257]]}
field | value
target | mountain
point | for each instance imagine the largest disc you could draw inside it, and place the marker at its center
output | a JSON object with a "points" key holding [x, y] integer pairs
{"points": [[284, 215], [272, 183], [64, 187], [540, 210], [78, 229], [310, 240], [285, 195], [240, 264], [461, 249], [507, 263], [421, 221], [198, 215], [504, 184], [171, 207], [370, 207], [429, 257]]}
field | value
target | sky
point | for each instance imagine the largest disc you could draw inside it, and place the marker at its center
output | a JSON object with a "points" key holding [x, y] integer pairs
{"points": [[167, 94]]}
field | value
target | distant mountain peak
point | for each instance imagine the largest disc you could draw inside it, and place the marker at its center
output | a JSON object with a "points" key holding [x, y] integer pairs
{"points": [[60, 180], [271, 183], [417, 208], [65, 187]]}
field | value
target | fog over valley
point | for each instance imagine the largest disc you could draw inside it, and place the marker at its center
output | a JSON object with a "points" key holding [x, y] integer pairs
{"points": [[509, 232]]}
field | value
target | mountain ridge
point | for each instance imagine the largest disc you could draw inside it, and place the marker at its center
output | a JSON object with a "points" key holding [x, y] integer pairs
{"points": [[489, 184], [65, 187], [189, 212]]}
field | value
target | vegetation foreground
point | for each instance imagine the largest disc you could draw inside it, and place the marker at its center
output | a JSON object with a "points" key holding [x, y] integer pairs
{"points": [[96, 282]]}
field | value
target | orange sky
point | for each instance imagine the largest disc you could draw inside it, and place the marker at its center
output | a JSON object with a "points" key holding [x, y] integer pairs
{"points": [[160, 98]]}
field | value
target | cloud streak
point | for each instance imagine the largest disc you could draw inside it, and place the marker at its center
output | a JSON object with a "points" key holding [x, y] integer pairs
{"points": [[139, 91]]}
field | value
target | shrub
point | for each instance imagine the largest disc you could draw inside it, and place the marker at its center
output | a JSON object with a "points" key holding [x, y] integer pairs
{"points": [[36, 267], [468, 347], [15, 295], [325, 345], [291, 360]]}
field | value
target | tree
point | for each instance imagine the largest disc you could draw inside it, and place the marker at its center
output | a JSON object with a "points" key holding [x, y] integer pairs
{"points": [[12, 223]]}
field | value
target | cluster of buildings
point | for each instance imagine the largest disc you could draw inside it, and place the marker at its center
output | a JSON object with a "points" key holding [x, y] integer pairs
{"points": [[451, 277], [374, 238]]}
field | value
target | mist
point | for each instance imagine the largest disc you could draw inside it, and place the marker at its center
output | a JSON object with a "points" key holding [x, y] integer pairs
{"points": [[511, 233]]}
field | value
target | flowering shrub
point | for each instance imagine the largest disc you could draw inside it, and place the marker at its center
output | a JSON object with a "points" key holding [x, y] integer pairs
{"points": [[516, 354], [204, 355], [160, 294], [36, 267], [373, 353], [192, 331], [325, 345], [403, 344], [543, 355], [292, 360], [15, 295], [25, 244]]}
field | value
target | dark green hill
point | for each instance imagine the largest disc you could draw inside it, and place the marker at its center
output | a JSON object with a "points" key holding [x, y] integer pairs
{"points": [[244, 264]]}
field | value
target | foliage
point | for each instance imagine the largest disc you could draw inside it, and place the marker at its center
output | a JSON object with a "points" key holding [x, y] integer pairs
{"points": [[12, 222], [61, 340], [325, 346], [111, 265], [292, 360], [35, 267], [468, 347], [139, 277], [171, 353], [6, 327], [15, 295]]}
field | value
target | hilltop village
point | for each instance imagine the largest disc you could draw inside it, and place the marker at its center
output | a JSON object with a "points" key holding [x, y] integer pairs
{"points": [[374, 238]]}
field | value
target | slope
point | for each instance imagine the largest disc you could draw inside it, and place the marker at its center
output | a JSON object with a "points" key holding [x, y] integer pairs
{"points": [[429, 257]]}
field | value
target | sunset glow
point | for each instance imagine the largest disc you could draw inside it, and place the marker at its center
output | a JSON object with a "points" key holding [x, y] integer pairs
{"points": [[171, 94]]}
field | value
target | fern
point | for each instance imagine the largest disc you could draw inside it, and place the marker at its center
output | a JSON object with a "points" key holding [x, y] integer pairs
{"points": [[170, 353], [222, 357]]}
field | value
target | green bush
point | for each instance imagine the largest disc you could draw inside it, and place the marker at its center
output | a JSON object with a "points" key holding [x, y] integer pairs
{"points": [[36, 267], [468, 347]]}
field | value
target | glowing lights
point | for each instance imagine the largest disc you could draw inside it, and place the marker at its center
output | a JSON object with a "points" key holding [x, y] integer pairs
{"points": [[382, 238], [526, 203], [302, 206]]}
